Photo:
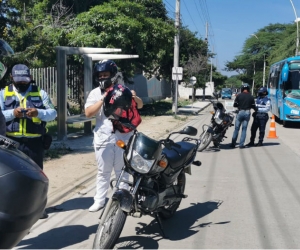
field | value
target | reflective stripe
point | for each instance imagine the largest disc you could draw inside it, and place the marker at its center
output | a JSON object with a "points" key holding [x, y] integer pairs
{"points": [[35, 125]]}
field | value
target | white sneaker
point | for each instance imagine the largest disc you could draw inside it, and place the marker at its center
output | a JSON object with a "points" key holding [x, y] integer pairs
{"points": [[95, 207]]}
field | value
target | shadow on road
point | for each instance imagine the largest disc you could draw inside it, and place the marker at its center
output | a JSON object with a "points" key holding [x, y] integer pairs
{"points": [[73, 204], [186, 218], [59, 238]]}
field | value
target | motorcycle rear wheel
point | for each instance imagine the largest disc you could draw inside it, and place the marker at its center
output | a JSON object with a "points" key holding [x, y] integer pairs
{"points": [[108, 234], [205, 139], [170, 210]]}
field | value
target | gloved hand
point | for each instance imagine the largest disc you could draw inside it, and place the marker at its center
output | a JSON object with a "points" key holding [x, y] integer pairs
{"points": [[254, 114]]}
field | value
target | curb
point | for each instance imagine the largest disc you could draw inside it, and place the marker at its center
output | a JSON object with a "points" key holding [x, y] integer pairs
{"points": [[194, 110]]}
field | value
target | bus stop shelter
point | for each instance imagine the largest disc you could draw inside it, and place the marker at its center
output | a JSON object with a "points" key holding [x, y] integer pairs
{"points": [[89, 55]]}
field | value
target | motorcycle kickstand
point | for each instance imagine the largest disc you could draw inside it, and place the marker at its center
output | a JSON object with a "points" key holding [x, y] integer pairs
{"points": [[160, 226]]}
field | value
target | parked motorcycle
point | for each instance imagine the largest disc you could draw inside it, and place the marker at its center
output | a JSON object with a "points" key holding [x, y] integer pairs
{"points": [[157, 182], [221, 120]]}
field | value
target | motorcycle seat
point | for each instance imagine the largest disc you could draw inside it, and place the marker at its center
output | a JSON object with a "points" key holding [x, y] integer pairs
{"points": [[178, 156]]}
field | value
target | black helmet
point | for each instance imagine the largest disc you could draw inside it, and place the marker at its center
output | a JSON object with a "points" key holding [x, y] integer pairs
{"points": [[5, 50], [263, 91], [245, 86], [106, 65], [118, 98], [102, 66]]}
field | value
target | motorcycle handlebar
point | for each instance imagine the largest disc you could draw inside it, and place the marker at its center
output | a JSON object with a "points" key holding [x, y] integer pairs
{"points": [[169, 143]]}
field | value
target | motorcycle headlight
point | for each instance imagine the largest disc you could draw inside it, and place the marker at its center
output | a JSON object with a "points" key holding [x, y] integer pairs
{"points": [[139, 164], [218, 120]]}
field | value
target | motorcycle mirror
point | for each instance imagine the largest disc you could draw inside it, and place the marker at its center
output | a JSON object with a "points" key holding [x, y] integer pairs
{"points": [[189, 130]]}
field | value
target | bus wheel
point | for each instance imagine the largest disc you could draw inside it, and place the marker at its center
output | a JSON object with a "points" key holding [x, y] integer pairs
{"points": [[285, 123]]}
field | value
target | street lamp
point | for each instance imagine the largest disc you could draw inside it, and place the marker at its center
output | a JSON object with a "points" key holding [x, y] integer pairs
{"points": [[264, 70], [296, 20]]}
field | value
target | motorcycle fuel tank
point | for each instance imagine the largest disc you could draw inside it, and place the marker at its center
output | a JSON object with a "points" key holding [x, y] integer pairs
{"points": [[23, 195]]}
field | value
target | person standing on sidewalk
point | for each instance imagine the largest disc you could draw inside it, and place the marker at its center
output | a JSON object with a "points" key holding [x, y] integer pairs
{"points": [[244, 102], [261, 117], [108, 156], [26, 109]]}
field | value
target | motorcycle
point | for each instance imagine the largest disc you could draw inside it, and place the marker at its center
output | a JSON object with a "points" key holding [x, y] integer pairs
{"points": [[157, 170], [221, 120], [23, 193]]}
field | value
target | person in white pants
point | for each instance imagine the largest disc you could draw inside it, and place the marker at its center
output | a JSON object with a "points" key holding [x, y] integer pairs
{"points": [[108, 155]]}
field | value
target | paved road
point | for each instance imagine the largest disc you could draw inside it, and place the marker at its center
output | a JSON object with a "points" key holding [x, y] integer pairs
{"points": [[238, 198]]}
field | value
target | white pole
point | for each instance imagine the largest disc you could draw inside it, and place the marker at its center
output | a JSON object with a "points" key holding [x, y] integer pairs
{"points": [[253, 79], [297, 41], [176, 53], [264, 72]]}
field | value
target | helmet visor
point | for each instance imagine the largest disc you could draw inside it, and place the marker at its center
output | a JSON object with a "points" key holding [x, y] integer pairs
{"points": [[3, 70]]}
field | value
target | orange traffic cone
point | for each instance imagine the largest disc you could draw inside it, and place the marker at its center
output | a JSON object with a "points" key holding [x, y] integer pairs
{"points": [[272, 131]]}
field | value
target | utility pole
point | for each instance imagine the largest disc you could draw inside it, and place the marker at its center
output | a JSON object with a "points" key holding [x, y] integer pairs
{"points": [[176, 55], [297, 20], [264, 72]]}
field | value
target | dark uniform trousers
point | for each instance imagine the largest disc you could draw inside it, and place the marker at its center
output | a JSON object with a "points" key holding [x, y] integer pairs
{"points": [[259, 122], [32, 147]]}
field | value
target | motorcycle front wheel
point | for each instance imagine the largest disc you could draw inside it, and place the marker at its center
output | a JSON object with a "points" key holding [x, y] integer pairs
{"points": [[108, 233], [205, 139], [170, 210]]}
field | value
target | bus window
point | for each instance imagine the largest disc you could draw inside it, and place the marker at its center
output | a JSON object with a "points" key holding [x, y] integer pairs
{"points": [[294, 80]]}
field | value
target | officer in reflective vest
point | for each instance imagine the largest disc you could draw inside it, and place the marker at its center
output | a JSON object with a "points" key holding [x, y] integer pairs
{"points": [[26, 109], [261, 117]]}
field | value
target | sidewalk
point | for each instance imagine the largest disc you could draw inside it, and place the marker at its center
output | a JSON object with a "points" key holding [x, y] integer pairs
{"points": [[194, 108]]}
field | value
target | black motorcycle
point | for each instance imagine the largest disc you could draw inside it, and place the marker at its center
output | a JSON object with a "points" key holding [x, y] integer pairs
{"points": [[221, 120], [157, 171], [23, 193]]}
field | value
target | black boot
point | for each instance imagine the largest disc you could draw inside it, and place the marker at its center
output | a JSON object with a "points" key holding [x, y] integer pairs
{"points": [[259, 144], [232, 145], [250, 144]]}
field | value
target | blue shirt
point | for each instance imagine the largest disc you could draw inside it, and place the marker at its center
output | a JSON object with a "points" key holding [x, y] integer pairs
{"points": [[263, 104], [45, 115]]}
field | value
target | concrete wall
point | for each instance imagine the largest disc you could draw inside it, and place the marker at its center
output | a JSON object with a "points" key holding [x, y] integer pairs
{"points": [[187, 92], [150, 90]]}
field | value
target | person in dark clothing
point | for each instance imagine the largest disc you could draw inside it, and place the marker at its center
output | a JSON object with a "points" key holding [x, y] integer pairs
{"points": [[244, 102], [261, 117]]}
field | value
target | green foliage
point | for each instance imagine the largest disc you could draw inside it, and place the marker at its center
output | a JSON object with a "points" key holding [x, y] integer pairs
{"points": [[232, 82], [127, 25], [268, 45]]}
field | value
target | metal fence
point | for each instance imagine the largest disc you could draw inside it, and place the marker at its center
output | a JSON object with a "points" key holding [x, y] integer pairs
{"points": [[147, 89], [46, 79]]}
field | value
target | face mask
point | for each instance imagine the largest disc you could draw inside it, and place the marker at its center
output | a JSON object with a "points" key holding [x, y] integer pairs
{"points": [[261, 94], [105, 83], [22, 87]]}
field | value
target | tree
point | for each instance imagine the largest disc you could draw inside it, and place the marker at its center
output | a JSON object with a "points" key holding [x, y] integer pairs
{"points": [[196, 66], [267, 45]]}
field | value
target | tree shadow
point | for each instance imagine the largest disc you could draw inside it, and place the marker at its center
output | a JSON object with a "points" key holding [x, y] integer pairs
{"points": [[186, 218], [59, 238]]}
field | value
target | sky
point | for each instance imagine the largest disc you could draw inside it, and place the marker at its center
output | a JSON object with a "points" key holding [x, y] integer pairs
{"points": [[231, 22]]}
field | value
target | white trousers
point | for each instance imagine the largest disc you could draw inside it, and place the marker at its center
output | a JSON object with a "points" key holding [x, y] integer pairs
{"points": [[109, 157]]}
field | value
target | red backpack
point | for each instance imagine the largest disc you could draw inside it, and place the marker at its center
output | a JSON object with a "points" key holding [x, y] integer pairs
{"points": [[131, 116]]}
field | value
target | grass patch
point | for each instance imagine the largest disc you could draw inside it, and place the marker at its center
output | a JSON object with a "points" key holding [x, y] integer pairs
{"points": [[163, 107]]}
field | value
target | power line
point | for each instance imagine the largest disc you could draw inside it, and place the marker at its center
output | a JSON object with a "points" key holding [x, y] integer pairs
{"points": [[191, 18]]}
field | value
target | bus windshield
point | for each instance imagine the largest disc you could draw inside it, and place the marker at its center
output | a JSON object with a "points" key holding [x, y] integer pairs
{"points": [[292, 86]]}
